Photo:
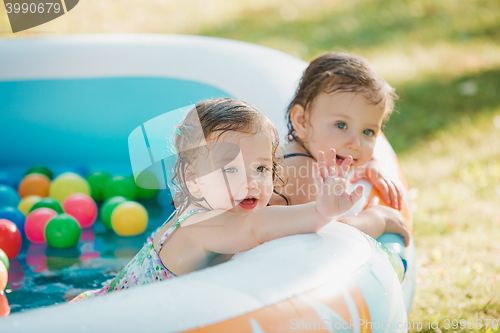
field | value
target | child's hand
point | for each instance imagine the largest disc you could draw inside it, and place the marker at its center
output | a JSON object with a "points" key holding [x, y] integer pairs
{"points": [[390, 190], [332, 200], [394, 221]]}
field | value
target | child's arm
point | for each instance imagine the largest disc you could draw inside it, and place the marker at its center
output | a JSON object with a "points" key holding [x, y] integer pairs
{"points": [[377, 219], [390, 190], [231, 233]]}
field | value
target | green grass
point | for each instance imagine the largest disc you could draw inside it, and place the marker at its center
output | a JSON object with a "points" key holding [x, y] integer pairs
{"points": [[436, 104], [457, 220], [443, 57]]}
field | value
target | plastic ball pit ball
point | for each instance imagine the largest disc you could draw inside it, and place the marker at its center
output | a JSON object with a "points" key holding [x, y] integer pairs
{"points": [[107, 209], [129, 219], [15, 216], [7, 179], [4, 259], [67, 184], [36, 222], [40, 169], [48, 203], [120, 186], [146, 185], [10, 238], [4, 305], [97, 181], [28, 202], [34, 184], [82, 208], [4, 277], [8, 196], [62, 232]]}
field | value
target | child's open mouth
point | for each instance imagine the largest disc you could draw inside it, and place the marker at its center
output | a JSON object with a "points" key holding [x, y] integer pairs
{"points": [[248, 203], [339, 159]]}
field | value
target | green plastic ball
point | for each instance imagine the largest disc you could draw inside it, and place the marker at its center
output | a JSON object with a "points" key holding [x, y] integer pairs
{"points": [[146, 185], [97, 181], [40, 169], [107, 209], [4, 259], [120, 186], [62, 232], [48, 203]]}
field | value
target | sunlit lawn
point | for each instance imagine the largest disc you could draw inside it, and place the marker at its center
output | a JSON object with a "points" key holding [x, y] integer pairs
{"points": [[444, 59]]}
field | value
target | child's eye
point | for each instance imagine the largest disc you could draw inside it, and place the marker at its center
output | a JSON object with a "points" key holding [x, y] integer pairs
{"points": [[341, 125], [262, 168], [368, 132], [230, 170]]}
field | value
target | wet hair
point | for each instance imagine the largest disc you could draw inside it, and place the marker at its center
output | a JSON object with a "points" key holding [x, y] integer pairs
{"points": [[340, 72], [216, 116]]}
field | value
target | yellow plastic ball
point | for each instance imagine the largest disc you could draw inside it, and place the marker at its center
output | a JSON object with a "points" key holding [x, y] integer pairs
{"points": [[129, 219], [28, 202], [67, 184]]}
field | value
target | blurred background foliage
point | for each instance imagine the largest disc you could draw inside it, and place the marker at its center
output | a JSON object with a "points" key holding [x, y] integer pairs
{"points": [[443, 57]]}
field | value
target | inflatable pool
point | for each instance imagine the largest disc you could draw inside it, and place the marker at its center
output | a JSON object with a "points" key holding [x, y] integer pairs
{"points": [[73, 101]]}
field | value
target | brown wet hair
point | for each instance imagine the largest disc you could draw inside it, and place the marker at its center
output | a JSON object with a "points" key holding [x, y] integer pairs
{"points": [[340, 72]]}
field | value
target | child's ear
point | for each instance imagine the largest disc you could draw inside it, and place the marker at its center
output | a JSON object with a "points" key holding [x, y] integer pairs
{"points": [[192, 182], [297, 116]]}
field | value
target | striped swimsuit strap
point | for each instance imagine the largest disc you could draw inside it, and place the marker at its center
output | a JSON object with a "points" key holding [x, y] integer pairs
{"points": [[296, 154], [176, 224]]}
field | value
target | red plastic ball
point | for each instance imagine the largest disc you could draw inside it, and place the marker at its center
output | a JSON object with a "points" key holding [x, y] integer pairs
{"points": [[36, 222], [82, 208], [10, 238]]}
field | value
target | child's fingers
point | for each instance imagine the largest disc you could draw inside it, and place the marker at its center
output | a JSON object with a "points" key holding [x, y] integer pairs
{"points": [[399, 189], [344, 167], [324, 172], [382, 187], [337, 185], [318, 180], [315, 170], [321, 158], [356, 194], [322, 165], [394, 195], [359, 173], [331, 159]]}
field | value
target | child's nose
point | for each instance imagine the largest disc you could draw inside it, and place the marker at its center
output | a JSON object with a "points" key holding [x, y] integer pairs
{"points": [[251, 182], [354, 142]]}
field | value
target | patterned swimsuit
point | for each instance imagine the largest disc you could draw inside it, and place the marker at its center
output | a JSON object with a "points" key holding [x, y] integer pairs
{"points": [[146, 267]]}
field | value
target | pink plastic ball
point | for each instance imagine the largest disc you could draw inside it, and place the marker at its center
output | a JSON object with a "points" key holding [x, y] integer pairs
{"points": [[82, 208], [36, 222]]}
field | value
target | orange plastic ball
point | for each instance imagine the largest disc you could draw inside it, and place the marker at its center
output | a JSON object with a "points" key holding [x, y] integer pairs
{"points": [[34, 184]]}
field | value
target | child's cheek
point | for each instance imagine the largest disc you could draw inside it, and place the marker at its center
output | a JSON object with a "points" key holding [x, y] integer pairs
{"points": [[268, 189]]}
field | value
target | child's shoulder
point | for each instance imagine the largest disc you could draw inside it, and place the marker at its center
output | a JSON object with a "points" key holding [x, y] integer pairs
{"points": [[298, 165], [295, 155]]}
